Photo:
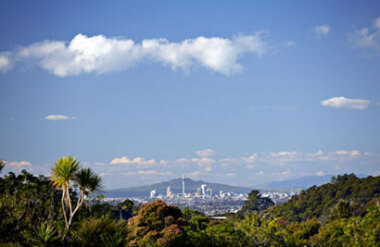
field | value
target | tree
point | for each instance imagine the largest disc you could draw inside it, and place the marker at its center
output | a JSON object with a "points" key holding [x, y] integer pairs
{"points": [[103, 231], [188, 213], [66, 175], [157, 224], [26, 201], [320, 201], [44, 236], [255, 202]]}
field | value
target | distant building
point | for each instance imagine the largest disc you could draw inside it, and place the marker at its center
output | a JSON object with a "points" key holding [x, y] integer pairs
{"points": [[199, 191], [183, 185], [210, 191], [203, 188], [221, 194], [168, 192], [152, 193]]}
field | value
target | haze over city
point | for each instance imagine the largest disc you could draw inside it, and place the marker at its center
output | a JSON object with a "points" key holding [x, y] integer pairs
{"points": [[239, 93]]}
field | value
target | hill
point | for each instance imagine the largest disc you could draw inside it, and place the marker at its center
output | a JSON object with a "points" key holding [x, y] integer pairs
{"points": [[318, 201], [302, 182], [175, 186]]}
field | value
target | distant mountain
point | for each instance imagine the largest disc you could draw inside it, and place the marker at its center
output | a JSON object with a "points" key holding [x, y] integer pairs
{"points": [[302, 182], [175, 186]]}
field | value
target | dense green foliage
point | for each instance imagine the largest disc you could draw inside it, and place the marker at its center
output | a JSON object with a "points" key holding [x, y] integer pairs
{"points": [[26, 201], [345, 212], [318, 201], [156, 224], [255, 202]]}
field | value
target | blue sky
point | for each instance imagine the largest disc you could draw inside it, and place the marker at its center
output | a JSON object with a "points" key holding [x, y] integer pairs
{"points": [[241, 92]]}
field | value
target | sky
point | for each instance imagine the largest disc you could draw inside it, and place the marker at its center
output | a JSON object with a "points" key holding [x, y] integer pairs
{"points": [[236, 92]]}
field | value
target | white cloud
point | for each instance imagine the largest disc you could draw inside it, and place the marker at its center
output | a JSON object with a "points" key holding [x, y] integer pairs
{"points": [[342, 102], [206, 164], [100, 54], [5, 62], [248, 162], [205, 152], [284, 154], [285, 173], [376, 23], [226, 175], [321, 30], [342, 155], [243, 170], [351, 153], [136, 161], [195, 174], [285, 157], [289, 44], [19, 163], [253, 157], [281, 157], [257, 161], [164, 162], [147, 173], [202, 160], [320, 173], [153, 172], [280, 175], [55, 117], [367, 37]]}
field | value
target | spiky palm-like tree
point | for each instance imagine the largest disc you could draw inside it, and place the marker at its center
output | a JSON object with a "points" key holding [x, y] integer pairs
{"points": [[67, 174], [43, 236]]}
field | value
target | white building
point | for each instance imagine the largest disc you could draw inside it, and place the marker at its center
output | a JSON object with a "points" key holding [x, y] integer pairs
{"points": [[183, 185], [152, 193], [168, 192], [203, 188]]}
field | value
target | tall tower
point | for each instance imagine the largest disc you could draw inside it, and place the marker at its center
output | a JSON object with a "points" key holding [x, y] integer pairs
{"points": [[168, 192], [203, 188], [183, 185]]}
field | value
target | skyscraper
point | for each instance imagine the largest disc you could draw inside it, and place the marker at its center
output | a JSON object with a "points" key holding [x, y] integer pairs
{"points": [[203, 188], [152, 193], [168, 192], [183, 185]]}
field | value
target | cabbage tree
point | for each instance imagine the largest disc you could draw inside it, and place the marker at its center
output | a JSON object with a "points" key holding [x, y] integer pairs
{"points": [[66, 175]]}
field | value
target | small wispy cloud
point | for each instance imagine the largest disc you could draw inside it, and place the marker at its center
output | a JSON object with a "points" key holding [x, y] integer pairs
{"points": [[137, 161], [205, 152], [289, 44], [204, 163], [148, 173], [321, 30], [99, 54], [342, 102], [367, 37], [5, 62], [19, 163], [57, 117]]}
